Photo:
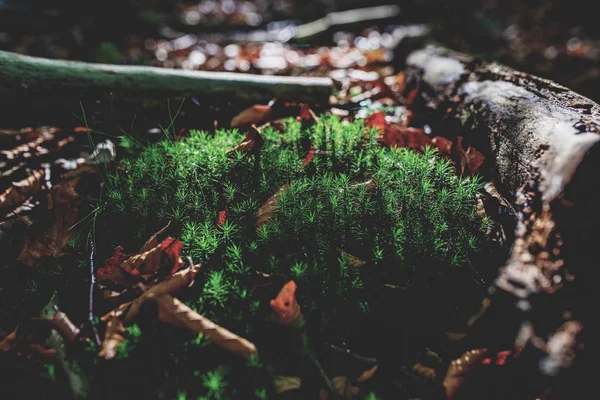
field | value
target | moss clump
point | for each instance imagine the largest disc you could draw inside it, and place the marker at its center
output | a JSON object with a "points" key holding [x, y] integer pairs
{"points": [[406, 215]]}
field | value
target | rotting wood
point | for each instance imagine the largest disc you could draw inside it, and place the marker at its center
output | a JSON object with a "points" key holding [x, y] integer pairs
{"points": [[22, 76], [542, 140]]}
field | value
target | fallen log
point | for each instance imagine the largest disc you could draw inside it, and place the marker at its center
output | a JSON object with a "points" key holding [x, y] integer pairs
{"points": [[541, 141], [24, 76]]}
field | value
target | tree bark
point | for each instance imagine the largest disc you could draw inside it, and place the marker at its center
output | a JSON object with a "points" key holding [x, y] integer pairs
{"points": [[541, 143], [22, 76]]}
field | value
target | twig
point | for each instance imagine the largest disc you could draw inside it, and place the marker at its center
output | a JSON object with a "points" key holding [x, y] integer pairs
{"points": [[91, 293]]}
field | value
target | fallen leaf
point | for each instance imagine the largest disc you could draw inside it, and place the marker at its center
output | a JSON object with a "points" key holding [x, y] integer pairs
{"points": [[163, 258], [34, 146], [376, 120], [424, 372], [63, 325], [307, 115], [251, 116], [269, 209], [174, 312], [286, 309], [469, 161], [400, 136], [490, 189], [351, 260], [153, 240], [252, 143], [20, 190], [113, 337], [128, 311], [459, 370], [342, 388], [443, 145], [64, 202], [111, 271], [286, 383], [310, 155]]}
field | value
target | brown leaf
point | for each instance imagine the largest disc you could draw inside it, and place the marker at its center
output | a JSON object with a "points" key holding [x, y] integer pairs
{"points": [[490, 188], [269, 209], [174, 312], [342, 387], [286, 309], [400, 136], [128, 311], [423, 371], [252, 143], [443, 145], [111, 270], [113, 337], [163, 258], [64, 202], [469, 161], [251, 116], [153, 240], [307, 115], [19, 191], [459, 370], [286, 383], [25, 150], [63, 325], [351, 260]]}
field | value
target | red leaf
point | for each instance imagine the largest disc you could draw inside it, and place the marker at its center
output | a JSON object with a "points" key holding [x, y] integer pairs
{"points": [[469, 161], [413, 138], [444, 145], [171, 249], [111, 266], [253, 142], [309, 156], [222, 217], [376, 120], [306, 114], [412, 95]]}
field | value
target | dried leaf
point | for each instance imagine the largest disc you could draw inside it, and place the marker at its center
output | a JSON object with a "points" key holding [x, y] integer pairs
{"points": [[423, 371], [153, 240], [286, 309], [19, 191], [459, 370], [443, 145], [490, 188], [128, 311], [163, 258], [376, 120], [251, 116], [174, 312], [63, 325], [343, 387], [469, 161], [307, 115], [351, 260], [64, 202], [113, 337], [252, 143], [25, 150], [286, 383], [400, 136], [269, 209], [111, 270]]}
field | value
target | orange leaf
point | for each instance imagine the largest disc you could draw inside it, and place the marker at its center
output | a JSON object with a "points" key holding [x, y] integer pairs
{"points": [[376, 120], [459, 370], [400, 136], [286, 309], [251, 116]]}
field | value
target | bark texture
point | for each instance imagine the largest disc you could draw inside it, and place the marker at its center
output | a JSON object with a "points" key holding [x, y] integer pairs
{"points": [[541, 142]]}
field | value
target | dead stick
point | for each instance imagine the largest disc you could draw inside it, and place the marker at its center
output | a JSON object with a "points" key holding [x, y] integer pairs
{"points": [[92, 283], [23, 76]]}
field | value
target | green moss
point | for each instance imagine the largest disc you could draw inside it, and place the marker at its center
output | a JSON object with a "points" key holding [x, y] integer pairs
{"points": [[415, 228]]}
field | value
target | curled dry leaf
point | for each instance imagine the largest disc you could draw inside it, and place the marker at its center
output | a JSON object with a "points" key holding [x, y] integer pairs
{"points": [[286, 309], [459, 370], [424, 372], [162, 258], [113, 337], [397, 135], [469, 161], [286, 383], [128, 311], [343, 387], [490, 189], [269, 209], [64, 202], [111, 270], [252, 143], [61, 323], [20, 190], [252, 116], [351, 260], [174, 312]]}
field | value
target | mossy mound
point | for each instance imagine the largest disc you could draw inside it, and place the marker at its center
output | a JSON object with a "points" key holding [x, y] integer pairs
{"points": [[325, 205]]}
